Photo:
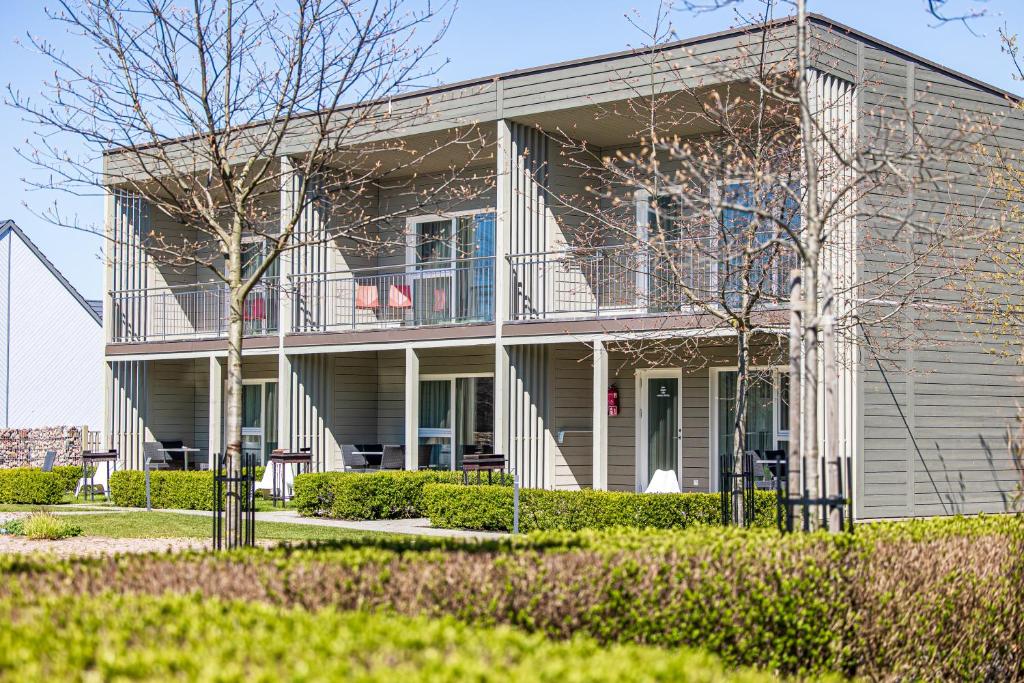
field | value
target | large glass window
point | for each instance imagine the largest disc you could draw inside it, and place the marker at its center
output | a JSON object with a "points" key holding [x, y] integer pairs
{"points": [[763, 432], [454, 259]]}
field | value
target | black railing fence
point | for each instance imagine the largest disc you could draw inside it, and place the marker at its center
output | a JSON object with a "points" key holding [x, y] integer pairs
{"points": [[234, 498]]}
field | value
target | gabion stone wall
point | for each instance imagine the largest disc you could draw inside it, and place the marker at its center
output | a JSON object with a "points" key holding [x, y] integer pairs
{"points": [[27, 447]]}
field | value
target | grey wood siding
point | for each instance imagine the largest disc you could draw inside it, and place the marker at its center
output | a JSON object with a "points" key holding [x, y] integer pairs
{"points": [[356, 397], [935, 414], [391, 396], [572, 409], [178, 401]]}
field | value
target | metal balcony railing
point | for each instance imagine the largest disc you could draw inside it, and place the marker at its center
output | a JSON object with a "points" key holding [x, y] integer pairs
{"points": [[191, 312], [640, 279], [438, 293]]}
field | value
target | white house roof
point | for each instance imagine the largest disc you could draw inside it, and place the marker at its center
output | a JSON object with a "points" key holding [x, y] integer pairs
{"points": [[95, 309]]}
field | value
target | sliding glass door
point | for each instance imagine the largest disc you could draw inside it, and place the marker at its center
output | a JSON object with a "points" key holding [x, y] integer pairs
{"points": [[454, 266], [259, 419], [456, 418], [767, 411]]}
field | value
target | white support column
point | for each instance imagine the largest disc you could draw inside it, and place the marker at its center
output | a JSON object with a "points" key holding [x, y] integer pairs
{"points": [[108, 405], [215, 426], [600, 418], [286, 208], [502, 395], [503, 226], [412, 408], [285, 431]]}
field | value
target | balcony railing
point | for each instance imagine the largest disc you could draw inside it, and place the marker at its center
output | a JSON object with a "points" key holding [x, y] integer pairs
{"points": [[191, 312], [639, 279], [438, 293]]}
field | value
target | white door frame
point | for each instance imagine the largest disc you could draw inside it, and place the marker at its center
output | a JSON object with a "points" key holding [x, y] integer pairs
{"points": [[777, 435], [643, 409], [260, 431]]}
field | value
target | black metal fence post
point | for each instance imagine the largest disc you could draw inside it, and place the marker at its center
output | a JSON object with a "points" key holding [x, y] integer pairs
{"points": [[243, 509]]}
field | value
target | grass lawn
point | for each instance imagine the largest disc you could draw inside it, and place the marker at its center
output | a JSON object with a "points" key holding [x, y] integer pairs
{"points": [[262, 505], [144, 524]]}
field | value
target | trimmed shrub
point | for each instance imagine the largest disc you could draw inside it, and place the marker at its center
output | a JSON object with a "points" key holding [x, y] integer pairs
{"points": [[180, 638], [489, 508], [70, 474], [925, 601], [177, 490], [370, 495], [45, 526], [31, 486], [168, 489]]}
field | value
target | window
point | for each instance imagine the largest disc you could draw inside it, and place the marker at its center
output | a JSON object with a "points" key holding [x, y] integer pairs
{"points": [[454, 261], [767, 410], [444, 432], [735, 234]]}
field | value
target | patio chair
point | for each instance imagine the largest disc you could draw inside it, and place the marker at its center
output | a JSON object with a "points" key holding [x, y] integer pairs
{"points": [[158, 460], [777, 471], [393, 458], [352, 460], [48, 461]]}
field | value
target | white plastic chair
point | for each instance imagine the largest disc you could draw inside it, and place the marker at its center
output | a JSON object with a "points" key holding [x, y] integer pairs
{"points": [[663, 481], [267, 482], [100, 478]]}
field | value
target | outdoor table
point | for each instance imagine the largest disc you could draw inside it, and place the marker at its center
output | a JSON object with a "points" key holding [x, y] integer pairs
{"points": [[181, 449], [93, 459], [277, 462], [483, 462]]}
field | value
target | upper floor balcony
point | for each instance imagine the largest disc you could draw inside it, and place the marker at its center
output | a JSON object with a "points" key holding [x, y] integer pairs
{"points": [[198, 311], [449, 292], [642, 279]]}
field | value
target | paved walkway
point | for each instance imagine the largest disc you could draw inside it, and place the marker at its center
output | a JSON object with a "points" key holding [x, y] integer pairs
{"points": [[414, 527]]}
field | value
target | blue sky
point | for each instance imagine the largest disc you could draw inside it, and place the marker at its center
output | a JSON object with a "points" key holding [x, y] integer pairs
{"points": [[486, 36]]}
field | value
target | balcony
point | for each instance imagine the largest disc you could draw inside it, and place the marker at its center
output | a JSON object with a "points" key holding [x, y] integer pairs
{"points": [[454, 292], [630, 280], [191, 312]]}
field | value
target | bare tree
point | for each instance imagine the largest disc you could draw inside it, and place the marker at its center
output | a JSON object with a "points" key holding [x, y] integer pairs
{"points": [[207, 110], [780, 182], [717, 251]]}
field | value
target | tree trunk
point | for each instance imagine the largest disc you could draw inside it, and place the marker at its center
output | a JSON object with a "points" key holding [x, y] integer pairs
{"points": [[795, 454], [831, 414], [739, 427], [812, 239], [233, 404], [811, 452]]}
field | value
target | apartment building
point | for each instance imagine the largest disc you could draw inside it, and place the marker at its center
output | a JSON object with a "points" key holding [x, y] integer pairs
{"points": [[496, 330]]}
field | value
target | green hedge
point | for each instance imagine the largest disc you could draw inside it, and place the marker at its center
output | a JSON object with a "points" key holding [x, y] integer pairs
{"points": [[924, 601], [70, 474], [169, 489], [489, 508], [32, 486], [178, 638], [370, 495]]}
